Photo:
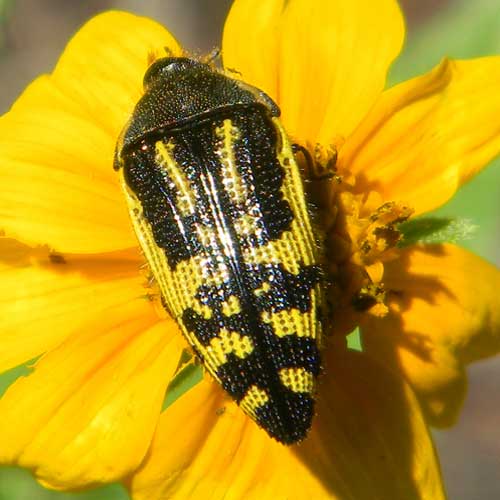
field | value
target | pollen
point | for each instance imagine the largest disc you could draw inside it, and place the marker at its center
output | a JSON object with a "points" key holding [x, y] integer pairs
{"points": [[361, 234]]}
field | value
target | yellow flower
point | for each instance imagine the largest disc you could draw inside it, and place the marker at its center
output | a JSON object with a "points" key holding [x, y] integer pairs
{"points": [[73, 292]]}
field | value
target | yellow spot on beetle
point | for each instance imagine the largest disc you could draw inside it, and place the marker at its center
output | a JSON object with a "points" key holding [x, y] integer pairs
{"points": [[262, 290], [247, 225], [203, 269], [297, 379], [228, 342], [254, 398], [289, 322], [202, 309], [231, 306]]}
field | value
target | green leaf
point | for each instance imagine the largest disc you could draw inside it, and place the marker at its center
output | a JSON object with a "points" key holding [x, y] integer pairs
{"points": [[4, 6], [436, 230], [354, 340], [18, 484], [10, 376], [186, 378]]}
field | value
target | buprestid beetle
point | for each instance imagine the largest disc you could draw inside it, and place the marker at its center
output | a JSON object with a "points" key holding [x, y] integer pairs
{"points": [[216, 199]]}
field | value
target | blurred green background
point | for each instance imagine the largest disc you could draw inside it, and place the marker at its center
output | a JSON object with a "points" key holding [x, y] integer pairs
{"points": [[34, 32]]}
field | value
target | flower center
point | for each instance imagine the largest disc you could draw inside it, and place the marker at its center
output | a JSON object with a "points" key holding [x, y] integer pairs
{"points": [[361, 234]]}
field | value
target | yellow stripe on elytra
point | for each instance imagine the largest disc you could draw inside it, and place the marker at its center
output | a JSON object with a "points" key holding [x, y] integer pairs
{"points": [[289, 322], [206, 235], [213, 271], [254, 399], [185, 198], [234, 185], [303, 238], [228, 342], [178, 287], [288, 251], [293, 192], [297, 379]]}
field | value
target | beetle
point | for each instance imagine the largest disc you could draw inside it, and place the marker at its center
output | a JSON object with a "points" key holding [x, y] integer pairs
{"points": [[217, 202]]}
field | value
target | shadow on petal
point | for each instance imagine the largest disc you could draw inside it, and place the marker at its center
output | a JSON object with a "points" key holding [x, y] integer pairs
{"points": [[369, 439], [443, 314]]}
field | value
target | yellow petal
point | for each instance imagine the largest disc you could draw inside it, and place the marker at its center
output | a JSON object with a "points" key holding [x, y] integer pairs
{"points": [[250, 42], [368, 441], [426, 137], [88, 412], [56, 144], [57, 184], [43, 298], [103, 65], [331, 56], [444, 314]]}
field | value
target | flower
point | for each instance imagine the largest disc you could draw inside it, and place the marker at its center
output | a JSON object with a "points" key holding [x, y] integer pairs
{"points": [[73, 290]]}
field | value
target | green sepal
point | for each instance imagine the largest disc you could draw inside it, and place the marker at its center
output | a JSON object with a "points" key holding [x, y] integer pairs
{"points": [[436, 230], [187, 375]]}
